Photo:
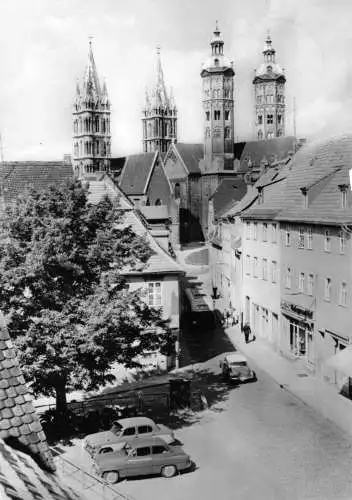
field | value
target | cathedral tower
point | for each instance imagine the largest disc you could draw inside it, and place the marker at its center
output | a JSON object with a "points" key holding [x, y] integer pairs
{"points": [[218, 104], [91, 123], [269, 89], [159, 116]]}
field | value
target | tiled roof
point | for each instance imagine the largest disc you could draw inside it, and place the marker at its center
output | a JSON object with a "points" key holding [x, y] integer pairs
{"points": [[321, 167], [22, 479], [160, 261], [190, 154], [18, 420], [116, 165], [251, 153], [155, 212], [15, 177], [228, 192], [136, 173]]}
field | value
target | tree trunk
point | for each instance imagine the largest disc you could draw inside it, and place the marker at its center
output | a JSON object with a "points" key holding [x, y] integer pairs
{"points": [[61, 402]]}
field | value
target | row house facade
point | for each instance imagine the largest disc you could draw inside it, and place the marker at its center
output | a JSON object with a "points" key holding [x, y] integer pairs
{"points": [[296, 253]]}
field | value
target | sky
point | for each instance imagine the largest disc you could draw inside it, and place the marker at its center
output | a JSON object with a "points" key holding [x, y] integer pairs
{"points": [[44, 50]]}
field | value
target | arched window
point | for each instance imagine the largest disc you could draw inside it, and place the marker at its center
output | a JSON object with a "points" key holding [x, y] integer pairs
{"points": [[216, 62], [158, 202], [149, 130], [260, 119], [177, 190], [80, 125]]}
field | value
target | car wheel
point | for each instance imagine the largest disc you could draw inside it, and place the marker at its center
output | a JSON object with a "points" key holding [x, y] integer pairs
{"points": [[168, 471], [111, 477]]}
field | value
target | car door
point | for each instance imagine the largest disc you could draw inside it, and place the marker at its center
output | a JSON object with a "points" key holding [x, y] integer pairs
{"points": [[160, 456], [139, 461]]}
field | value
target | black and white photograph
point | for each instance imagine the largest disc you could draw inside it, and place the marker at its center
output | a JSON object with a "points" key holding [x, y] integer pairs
{"points": [[175, 250]]}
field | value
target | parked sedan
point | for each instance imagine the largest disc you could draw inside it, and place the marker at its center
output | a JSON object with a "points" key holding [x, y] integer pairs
{"points": [[140, 458], [235, 368], [126, 430]]}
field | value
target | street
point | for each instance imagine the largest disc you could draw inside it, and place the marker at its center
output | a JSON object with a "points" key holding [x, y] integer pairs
{"points": [[256, 441]]}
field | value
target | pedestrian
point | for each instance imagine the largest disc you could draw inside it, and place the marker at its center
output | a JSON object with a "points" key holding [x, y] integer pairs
{"points": [[247, 332]]}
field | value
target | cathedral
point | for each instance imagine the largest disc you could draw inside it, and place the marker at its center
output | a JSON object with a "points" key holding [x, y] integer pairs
{"points": [[171, 173]]}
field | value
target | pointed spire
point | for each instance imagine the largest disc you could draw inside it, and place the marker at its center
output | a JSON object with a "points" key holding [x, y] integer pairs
{"points": [[91, 83], [160, 90], [78, 92]]}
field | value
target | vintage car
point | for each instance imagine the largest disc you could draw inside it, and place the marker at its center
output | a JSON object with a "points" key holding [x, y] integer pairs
{"points": [[144, 456], [235, 368], [126, 430]]}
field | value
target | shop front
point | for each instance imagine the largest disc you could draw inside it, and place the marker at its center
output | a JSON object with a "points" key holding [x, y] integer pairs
{"points": [[298, 325]]}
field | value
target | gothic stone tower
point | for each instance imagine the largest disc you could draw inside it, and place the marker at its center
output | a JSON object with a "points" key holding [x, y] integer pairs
{"points": [[159, 116], [218, 104], [269, 89], [91, 124]]}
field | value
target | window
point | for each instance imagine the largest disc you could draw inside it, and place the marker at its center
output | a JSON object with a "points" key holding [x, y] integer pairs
{"points": [[310, 284], [143, 452], [287, 238], [227, 132], [154, 294], [227, 115], [279, 118], [288, 277], [260, 119], [217, 114], [309, 238], [273, 233], [274, 271], [327, 289], [265, 269], [270, 119], [342, 242], [156, 450], [248, 230], [265, 231], [343, 294], [260, 135], [207, 115], [255, 267], [130, 431], [327, 241], [255, 231], [248, 263], [301, 238], [343, 197], [177, 190], [144, 429], [301, 282]]}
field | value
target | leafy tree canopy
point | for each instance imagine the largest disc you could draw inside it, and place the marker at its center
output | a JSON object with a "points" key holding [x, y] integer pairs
{"points": [[70, 312]]}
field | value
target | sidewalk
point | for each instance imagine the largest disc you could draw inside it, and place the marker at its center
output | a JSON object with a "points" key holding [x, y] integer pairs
{"points": [[313, 392]]}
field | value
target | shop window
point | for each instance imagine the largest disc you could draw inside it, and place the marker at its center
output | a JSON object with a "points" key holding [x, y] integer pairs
{"points": [[327, 289], [288, 278], [343, 294], [327, 241], [310, 284]]}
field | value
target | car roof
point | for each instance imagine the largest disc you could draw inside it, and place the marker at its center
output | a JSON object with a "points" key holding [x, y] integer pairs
{"points": [[235, 357], [132, 421], [152, 441]]}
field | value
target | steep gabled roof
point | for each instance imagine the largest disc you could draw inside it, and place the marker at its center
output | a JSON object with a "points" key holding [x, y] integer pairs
{"points": [[190, 154], [15, 177], [252, 153], [160, 261], [136, 173], [228, 192]]}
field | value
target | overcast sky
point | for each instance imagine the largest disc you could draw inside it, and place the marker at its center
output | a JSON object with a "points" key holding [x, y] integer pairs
{"points": [[44, 46]]}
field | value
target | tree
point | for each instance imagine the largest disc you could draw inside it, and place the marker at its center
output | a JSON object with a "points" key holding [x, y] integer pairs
{"points": [[70, 311]]}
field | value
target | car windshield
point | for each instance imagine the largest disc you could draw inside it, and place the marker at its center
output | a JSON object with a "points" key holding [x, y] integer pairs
{"points": [[238, 363], [116, 428]]}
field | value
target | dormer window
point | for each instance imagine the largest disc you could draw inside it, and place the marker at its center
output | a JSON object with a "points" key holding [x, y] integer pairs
{"points": [[343, 195]]}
